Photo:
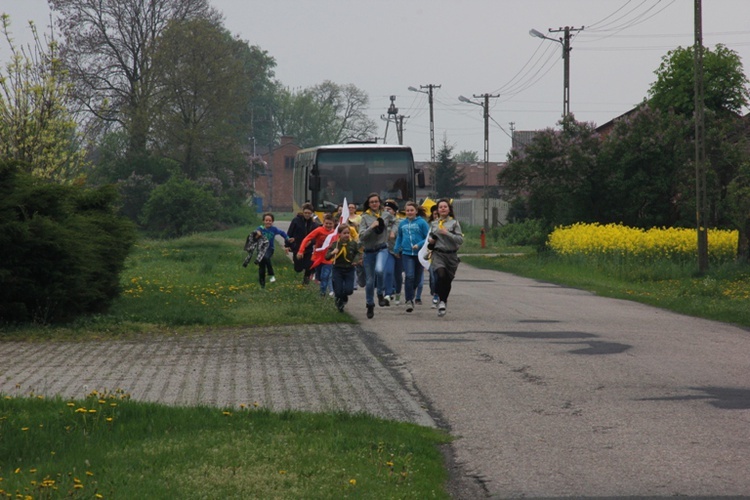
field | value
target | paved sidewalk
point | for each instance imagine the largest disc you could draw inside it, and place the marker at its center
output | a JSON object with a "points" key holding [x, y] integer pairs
{"points": [[310, 368]]}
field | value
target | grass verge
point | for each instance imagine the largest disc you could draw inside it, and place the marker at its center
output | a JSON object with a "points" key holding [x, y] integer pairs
{"points": [[108, 446]]}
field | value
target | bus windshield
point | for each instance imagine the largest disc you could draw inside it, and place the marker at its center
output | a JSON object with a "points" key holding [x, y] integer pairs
{"points": [[355, 174]]}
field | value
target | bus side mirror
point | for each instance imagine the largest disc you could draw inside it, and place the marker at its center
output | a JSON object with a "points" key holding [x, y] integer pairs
{"points": [[420, 178], [314, 183]]}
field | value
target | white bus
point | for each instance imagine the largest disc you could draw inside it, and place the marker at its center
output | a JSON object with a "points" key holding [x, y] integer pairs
{"points": [[325, 175]]}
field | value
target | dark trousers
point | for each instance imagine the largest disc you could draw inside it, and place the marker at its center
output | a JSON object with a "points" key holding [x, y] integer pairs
{"points": [[343, 282], [444, 283], [265, 265], [303, 264]]}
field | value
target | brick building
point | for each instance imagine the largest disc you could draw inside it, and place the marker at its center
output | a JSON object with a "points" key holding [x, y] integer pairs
{"points": [[274, 186]]}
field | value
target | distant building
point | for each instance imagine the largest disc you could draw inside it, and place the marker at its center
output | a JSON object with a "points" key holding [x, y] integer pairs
{"points": [[274, 186], [474, 182]]}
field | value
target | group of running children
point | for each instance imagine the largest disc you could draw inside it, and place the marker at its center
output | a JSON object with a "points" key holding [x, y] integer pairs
{"points": [[375, 249]]}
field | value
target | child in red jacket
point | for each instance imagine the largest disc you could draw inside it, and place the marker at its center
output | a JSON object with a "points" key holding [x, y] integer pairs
{"points": [[318, 236]]}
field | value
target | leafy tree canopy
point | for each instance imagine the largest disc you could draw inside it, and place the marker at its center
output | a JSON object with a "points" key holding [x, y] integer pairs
{"points": [[108, 50], [557, 174], [725, 83], [467, 157], [327, 113]]}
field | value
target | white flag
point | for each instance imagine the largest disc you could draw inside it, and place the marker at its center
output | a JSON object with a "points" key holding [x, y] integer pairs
{"points": [[422, 254], [344, 219]]}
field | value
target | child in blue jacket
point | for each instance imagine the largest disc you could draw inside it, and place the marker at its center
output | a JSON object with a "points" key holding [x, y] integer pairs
{"points": [[269, 231], [412, 232]]}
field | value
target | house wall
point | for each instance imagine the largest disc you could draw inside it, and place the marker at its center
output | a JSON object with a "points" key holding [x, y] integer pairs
{"points": [[274, 187]]}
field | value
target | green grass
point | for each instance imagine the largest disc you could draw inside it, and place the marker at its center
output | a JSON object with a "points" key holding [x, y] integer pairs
{"points": [[493, 242], [108, 446], [722, 294], [194, 283]]}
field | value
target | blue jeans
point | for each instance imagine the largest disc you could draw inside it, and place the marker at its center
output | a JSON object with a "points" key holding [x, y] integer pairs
{"points": [[325, 277], [374, 264], [343, 282], [414, 272], [420, 284], [433, 281], [393, 274]]}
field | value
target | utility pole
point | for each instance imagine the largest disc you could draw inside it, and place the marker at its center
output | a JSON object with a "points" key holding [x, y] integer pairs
{"points": [[565, 42], [486, 112], [430, 87], [701, 201]]}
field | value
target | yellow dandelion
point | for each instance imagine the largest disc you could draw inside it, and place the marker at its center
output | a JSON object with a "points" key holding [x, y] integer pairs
{"points": [[78, 486], [24, 429], [71, 405], [353, 482], [282, 472], [92, 411], [89, 473], [33, 471], [226, 413], [81, 410], [109, 419], [98, 495]]}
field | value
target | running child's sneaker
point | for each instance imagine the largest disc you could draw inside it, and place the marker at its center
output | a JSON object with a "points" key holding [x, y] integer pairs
{"points": [[409, 306], [441, 308], [272, 279]]}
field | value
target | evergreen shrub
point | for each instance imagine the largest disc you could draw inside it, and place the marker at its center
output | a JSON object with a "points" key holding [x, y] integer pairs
{"points": [[62, 248]]}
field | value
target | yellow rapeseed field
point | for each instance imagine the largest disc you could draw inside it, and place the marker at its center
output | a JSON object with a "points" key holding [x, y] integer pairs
{"points": [[618, 241]]}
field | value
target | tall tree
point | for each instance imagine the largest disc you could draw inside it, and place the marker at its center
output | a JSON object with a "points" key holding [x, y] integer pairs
{"points": [[449, 178], [200, 83], [557, 174], [109, 46], [726, 94], [646, 161], [36, 125], [327, 113], [725, 83], [256, 111]]}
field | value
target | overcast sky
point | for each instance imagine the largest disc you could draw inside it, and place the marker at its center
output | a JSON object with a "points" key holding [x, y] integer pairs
{"points": [[469, 47]]}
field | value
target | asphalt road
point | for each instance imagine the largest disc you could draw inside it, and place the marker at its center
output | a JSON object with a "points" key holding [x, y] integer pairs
{"points": [[553, 391]]}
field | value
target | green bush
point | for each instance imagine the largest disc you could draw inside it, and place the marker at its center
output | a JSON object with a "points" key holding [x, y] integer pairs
{"points": [[62, 248], [530, 232], [179, 207]]}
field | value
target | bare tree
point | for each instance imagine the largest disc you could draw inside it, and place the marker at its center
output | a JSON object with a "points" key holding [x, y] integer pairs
{"points": [[108, 50], [349, 104]]}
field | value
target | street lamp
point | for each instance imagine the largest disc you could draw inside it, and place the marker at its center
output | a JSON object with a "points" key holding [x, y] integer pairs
{"points": [[565, 42], [485, 108]]}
